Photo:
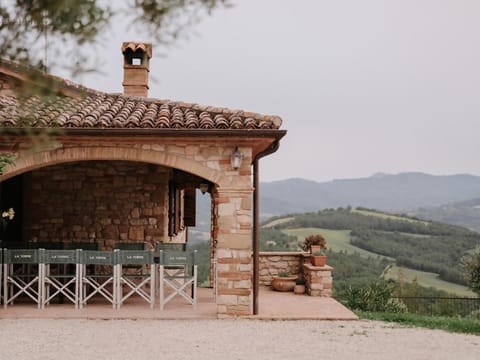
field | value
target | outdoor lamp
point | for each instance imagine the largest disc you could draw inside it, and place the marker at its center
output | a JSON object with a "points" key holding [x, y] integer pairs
{"points": [[236, 158], [204, 188]]}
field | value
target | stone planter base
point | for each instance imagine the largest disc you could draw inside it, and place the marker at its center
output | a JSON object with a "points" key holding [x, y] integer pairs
{"points": [[286, 283], [318, 280]]}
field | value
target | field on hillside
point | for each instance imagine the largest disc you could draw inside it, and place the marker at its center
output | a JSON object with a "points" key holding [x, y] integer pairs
{"points": [[428, 279], [337, 240], [386, 216], [277, 222], [434, 249]]}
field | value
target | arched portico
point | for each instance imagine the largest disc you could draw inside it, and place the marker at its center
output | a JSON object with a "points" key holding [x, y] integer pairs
{"points": [[231, 233], [28, 161]]}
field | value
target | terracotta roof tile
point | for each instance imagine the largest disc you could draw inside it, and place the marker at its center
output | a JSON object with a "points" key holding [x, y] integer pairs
{"points": [[78, 107], [117, 111]]}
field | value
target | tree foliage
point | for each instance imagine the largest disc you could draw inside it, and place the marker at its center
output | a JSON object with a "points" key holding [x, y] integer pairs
{"points": [[272, 239], [376, 296], [471, 263], [25, 25]]}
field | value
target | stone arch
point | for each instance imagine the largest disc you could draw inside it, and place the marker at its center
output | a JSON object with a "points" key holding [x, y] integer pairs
{"points": [[28, 162]]}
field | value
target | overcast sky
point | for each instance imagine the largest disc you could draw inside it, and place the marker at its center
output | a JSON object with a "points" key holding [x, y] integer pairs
{"points": [[363, 86]]}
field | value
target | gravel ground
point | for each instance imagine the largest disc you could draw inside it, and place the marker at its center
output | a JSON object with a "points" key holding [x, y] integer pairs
{"points": [[227, 339]]}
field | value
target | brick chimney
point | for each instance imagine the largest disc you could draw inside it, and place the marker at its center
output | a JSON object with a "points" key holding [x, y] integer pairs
{"points": [[136, 66]]}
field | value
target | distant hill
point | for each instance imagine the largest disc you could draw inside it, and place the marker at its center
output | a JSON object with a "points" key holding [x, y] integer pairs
{"points": [[399, 192], [463, 213]]}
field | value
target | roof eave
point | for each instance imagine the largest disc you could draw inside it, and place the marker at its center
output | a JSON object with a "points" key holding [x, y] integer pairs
{"points": [[148, 132]]}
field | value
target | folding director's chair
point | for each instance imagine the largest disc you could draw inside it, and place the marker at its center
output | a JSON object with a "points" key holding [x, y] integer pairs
{"points": [[182, 283], [141, 283], [100, 281], [58, 279], [21, 275]]}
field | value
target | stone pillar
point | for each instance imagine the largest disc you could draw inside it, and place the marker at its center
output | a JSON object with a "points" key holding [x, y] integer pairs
{"points": [[318, 280], [234, 251]]}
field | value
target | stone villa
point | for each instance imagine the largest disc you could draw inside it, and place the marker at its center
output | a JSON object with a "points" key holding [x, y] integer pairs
{"points": [[125, 167]]}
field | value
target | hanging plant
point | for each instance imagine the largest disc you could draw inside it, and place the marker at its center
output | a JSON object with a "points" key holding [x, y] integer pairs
{"points": [[7, 216]]}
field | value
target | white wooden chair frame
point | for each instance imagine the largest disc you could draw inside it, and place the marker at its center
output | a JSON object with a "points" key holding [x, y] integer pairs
{"points": [[141, 284], [13, 281], [91, 257], [178, 283], [53, 281]]}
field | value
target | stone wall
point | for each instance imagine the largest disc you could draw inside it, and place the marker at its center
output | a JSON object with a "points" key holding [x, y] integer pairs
{"points": [[96, 201], [271, 263]]}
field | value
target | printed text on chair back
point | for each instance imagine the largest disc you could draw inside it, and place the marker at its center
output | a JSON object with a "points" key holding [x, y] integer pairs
{"points": [[60, 257], [20, 256], [134, 257], [169, 258], [97, 257]]}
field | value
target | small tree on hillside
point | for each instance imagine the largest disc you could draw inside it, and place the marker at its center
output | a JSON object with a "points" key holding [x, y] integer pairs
{"points": [[472, 270]]}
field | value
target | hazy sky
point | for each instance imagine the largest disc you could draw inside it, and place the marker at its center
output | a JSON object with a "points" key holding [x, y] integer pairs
{"points": [[363, 86]]}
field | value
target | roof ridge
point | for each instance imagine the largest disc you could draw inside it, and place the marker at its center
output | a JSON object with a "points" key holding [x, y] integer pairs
{"points": [[29, 73]]}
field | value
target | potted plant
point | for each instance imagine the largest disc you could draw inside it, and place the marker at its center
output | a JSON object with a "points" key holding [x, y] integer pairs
{"points": [[283, 281], [314, 243], [299, 286], [318, 258]]}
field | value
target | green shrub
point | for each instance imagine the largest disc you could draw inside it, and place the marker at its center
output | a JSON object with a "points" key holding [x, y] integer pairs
{"points": [[471, 264], [376, 297]]}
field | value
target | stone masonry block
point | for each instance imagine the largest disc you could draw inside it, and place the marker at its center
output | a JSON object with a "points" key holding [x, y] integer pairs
{"points": [[227, 300], [224, 253]]}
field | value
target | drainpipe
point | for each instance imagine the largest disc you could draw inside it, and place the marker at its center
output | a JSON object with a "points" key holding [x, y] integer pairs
{"points": [[256, 221]]}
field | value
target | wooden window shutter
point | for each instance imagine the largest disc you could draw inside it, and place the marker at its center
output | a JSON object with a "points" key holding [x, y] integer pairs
{"points": [[190, 207]]}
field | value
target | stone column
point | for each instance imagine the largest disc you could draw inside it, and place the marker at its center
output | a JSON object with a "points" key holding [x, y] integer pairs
{"points": [[234, 251], [318, 279]]}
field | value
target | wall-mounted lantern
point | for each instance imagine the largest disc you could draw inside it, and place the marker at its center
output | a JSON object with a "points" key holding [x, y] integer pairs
{"points": [[236, 158], [204, 187]]}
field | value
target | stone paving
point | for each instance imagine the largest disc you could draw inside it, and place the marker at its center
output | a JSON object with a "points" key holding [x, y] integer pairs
{"points": [[272, 305]]}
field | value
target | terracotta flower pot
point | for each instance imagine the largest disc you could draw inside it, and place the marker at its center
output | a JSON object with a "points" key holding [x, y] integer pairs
{"points": [[285, 283], [318, 260]]}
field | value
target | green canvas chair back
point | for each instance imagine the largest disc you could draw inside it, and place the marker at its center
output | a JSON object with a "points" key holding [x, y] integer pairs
{"points": [[18, 245], [131, 245], [134, 257], [171, 246], [45, 245], [81, 245], [184, 259], [91, 257], [60, 257], [21, 256]]}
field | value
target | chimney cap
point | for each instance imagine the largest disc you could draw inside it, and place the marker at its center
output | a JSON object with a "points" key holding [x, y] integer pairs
{"points": [[134, 46]]}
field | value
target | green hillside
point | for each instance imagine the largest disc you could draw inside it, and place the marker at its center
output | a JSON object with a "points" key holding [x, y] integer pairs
{"points": [[433, 249], [427, 279], [338, 240]]}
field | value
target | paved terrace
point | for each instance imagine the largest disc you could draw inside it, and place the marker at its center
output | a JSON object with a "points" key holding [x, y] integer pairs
{"points": [[272, 305]]}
